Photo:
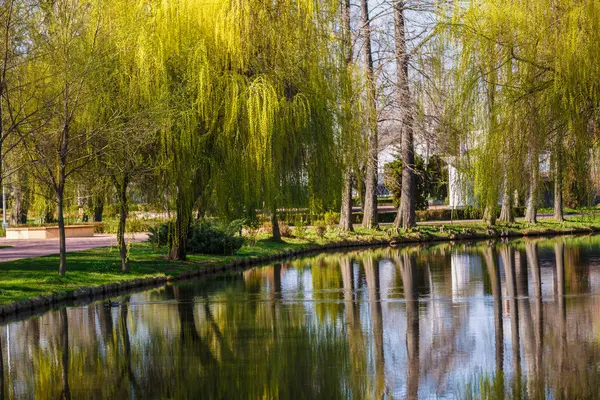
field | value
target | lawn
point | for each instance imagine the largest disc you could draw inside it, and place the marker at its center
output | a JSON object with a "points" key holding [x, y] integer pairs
{"points": [[32, 277]]}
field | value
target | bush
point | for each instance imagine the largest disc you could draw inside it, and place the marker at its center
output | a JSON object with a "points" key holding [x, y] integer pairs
{"points": [[299, 229], [445, 214], [210, 238], [159, 235], [251, 235], [132, 225], [332, 218], [382, 217], [462, 213], [98, 227], [204, 237], [284, 229], [320, 228], [393, 181]]}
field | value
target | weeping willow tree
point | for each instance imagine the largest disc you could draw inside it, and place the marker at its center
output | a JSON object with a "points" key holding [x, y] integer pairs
{"points": [[248, 89], [293, 143], [527, 79]]}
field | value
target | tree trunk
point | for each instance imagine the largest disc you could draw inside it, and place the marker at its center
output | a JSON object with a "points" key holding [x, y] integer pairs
{"points": [[62, 267], [98, 208], [180, 229], [371, 266], [21, 200], [531, 211], [185, 201], [508, 263], [346, 211], [490, 258], [406, 212], [558, 186], [370, 207], [489, 215], [17, 202], [276, 234], [362, 193], [202, 206], [408, 270], [506, 213], [64, 334], [123, 213], [60, 185], [561, 316]]}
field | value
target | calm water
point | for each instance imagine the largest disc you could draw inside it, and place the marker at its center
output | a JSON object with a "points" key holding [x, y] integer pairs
{"points": [[517, 320]]}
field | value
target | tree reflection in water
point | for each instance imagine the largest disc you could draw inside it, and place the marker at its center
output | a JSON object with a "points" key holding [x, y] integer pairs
{"points": [[408, 269], [447, 321]]}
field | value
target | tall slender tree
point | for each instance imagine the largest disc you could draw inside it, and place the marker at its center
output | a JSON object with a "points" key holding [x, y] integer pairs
{"points": [[406, 216], [68, 52], [370, 218], [346, 222]]}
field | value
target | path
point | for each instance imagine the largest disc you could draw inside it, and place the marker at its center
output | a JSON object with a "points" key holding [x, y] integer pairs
{"points": [[35, 248]]}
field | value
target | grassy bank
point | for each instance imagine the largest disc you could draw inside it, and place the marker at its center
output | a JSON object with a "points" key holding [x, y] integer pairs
{"points": [[29, 278]]}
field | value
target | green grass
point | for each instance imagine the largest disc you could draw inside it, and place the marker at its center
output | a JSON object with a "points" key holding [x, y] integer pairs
{"points": [[566, 210], [33, 277]]}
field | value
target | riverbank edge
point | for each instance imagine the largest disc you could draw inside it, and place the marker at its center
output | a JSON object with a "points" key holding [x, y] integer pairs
{"points": [[84, 295]]}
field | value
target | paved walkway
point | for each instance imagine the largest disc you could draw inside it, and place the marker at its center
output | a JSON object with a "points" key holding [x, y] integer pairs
{"points": [[35, 248]]}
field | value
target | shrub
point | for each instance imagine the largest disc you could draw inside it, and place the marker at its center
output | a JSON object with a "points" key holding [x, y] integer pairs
{"points": [[300, 229], [284, 229], [393, 181], [332, 218], [204, 237], [159, 235], [98, 227], [266, 227], [251, 236], [320, 228], [210, 238], [133, 225]]}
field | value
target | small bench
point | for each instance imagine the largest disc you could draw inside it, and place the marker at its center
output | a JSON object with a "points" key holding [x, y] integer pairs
{"points": [[49, 232]]}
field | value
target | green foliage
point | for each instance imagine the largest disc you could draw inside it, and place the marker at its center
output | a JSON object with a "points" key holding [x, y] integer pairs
{"points": [[524, 82], [133, 225], [331, 218], [158, 235], [210, 238], [393, 181], [437, 178], [204, 237], [300, 229], [284, 229], [320, 228]]}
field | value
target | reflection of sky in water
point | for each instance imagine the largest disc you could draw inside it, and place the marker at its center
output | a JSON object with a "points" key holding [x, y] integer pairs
{"points": [[456, 327]]}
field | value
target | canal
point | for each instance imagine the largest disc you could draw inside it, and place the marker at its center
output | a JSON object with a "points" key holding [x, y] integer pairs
{"points": [[503, 320]]}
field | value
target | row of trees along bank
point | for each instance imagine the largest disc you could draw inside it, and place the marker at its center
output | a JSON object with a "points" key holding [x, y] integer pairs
{"points": [[233, 107]]}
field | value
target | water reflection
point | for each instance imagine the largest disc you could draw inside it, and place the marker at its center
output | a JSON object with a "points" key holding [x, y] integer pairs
{"points": [[516, 320]]}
